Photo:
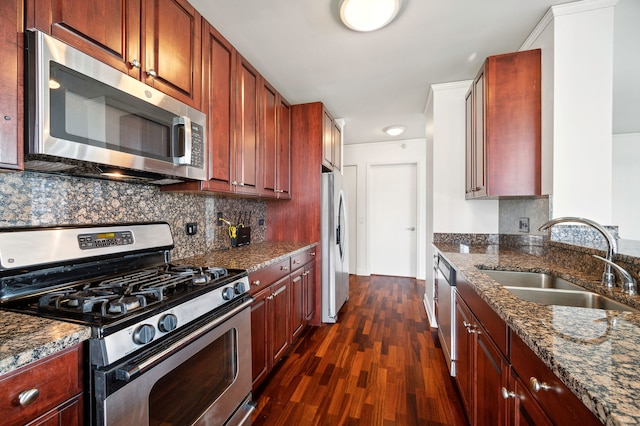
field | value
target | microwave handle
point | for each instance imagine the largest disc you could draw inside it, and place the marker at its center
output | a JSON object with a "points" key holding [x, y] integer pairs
{"points": [[181, 141]]}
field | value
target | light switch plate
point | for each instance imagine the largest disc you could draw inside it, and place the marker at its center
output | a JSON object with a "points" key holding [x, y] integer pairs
{"points": [[523, 224]]}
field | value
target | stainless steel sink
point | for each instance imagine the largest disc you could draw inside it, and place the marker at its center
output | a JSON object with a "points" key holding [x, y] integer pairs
{"points": [[581, 299], [549, 290], [531, 280]]}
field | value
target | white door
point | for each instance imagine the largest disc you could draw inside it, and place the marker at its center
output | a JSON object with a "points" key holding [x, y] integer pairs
{"points": [[392, 190], [349, 181]]}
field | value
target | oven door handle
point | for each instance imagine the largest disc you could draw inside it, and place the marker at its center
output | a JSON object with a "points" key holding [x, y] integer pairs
{"points": [[129, 373]]}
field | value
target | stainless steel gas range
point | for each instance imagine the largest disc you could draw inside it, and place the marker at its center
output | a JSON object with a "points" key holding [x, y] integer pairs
{"points": [[170, 344]]}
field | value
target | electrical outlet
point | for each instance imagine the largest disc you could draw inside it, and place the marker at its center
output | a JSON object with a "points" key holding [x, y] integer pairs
{"points": [[191, 228], [523, 224], [261, 222], [218, 217]]}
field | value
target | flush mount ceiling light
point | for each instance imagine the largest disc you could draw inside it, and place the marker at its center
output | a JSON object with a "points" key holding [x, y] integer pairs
{"points": [[368, 15], [394, 130]]}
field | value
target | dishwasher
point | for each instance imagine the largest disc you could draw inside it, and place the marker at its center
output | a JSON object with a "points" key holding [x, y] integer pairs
{"points": [[444, 300]]}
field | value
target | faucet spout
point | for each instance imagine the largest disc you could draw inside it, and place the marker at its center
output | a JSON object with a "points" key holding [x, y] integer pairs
{"points": [[608, 277]]}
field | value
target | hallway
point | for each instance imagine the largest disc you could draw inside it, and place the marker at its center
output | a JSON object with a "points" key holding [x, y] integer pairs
{"points": [[377, 366]]}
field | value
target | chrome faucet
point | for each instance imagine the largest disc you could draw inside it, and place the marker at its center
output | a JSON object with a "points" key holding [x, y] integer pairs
{"points": [[608, 277], [629, 284]]}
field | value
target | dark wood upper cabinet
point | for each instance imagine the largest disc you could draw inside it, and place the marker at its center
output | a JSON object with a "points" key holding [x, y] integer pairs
{"points": [[11, 85], [247, 128], [172, 46], [503, 130], [156, 41], [219, 86], [276, 144]]}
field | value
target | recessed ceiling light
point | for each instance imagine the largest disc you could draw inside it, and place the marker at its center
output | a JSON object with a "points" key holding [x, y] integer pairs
{"points": [[368, 15], [394, 130]]}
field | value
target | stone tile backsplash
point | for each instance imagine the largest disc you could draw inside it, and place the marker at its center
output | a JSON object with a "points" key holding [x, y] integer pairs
{"points": [[37, 199]]}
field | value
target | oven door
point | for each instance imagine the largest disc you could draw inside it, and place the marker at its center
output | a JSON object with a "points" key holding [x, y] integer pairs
{"points": [[201, 377]]}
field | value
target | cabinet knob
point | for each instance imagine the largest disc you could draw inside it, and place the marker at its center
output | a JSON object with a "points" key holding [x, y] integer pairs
{"points": [[152, 73], [270, 297], [28, 396], [234, 183], [297, 261], [506, 394], [284, 268], [135, 63], [240, 183], [537, 385], [313, 253], [256, 283]]}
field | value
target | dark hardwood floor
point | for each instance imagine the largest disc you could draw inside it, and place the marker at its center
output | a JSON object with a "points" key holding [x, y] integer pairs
{"points": [[379, 365]]}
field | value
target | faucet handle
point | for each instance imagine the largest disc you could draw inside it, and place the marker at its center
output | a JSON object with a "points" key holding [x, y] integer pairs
{"points": [[629, 284]]}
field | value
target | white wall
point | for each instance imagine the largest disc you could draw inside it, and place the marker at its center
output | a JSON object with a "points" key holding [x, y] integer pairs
{"points": [[577, 82], [397, 152], [451, 212], [626, 193]]}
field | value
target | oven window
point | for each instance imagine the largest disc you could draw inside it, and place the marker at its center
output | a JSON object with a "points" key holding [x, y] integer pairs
{"points": [[183, 395]]}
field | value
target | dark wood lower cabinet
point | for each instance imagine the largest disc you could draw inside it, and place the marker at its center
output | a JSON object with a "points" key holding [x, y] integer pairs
{"points": [[501, 381]]}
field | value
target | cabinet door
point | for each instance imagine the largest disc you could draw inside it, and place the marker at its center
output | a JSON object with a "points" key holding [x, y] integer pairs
{"points": [[247, 129], [526, 411], [464, 354], [479, 139], [297, 304], [279, 319], [172, 49], [108, 30], [11, 84], [219, 58], [491, 375], [269, 139], [337, 147], [283, 152], [327, 139], [468, 139], [310, 290], [259, 336]]}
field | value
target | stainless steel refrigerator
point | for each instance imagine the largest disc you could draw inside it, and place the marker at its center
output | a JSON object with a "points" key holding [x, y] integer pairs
{"points": [[335, 261]]}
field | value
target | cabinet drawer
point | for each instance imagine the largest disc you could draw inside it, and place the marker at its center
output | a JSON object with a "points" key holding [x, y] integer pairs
{"points": [[267, 276], [57, 378], [558, 402], [303, 258]]}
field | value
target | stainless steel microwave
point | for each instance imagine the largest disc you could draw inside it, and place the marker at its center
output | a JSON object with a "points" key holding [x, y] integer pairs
{"points": [[89, 119]]}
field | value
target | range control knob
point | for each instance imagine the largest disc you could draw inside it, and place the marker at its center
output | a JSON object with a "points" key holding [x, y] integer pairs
{"points": [[168, 323], [239, 288], [228, 293], [144, 334]]}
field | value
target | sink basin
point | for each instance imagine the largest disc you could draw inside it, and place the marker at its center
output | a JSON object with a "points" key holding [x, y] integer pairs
{"points": [[531, 280], [549, 290], [580, 299]]}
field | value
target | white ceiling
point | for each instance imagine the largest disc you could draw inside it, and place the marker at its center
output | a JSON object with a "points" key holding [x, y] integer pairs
{"points": [[372, 80]]}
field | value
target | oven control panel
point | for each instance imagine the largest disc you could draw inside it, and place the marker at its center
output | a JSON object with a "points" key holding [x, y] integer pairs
{"points": [[104, 239]]}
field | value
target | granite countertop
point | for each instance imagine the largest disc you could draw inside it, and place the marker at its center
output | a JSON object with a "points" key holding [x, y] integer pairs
{"points": [[250, 257], [26, 338], [594, 352]]}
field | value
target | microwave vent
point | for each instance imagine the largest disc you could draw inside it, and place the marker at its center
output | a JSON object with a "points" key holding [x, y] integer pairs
{"points": [[47, 166]]}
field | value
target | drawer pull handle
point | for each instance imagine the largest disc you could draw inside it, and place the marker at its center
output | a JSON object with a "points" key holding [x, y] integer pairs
{"points": [[506, 394], [297, 261], [256, 283], [313, 253], [28, 396], [284, 268], [537, 386]]}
